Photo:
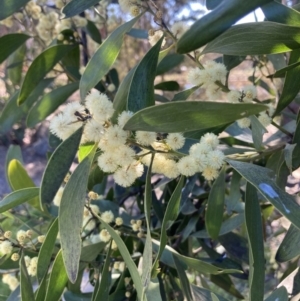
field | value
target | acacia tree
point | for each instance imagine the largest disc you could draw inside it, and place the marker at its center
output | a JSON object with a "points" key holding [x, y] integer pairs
{"points": [[172, 197]]}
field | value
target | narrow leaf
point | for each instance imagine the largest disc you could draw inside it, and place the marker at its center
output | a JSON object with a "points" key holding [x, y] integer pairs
{"points": [[185, 116], [170, 216], [141, 92], [104, 285], [288, 155], [57, 280], [103, 58], [13, 152], [18, 197], [19, 179], [280, 13], [167, 86], [215, 23], [46, 251], [147, 253], [120, 100], [75, 7], [256, 244], [49, 103], [282, 72], [256, 38], [58, 166], [215, 206], [261, 178], [183, 95], [12, 113], [8, 7], [127, 258], [25, 283], [185, 284], [258, 131], [41, 65], [290, 88], [10, 43], [199, 265], [93, 32], [280, 294], [227, 226], [71, 215], [169, 62], [290, 246]]}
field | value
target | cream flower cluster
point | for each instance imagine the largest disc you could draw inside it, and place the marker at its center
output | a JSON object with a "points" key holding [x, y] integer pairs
{"points": [[179, 28], [154, 37], [31, 265], [119, 158], [130, 6], [247, 95], [206, 78], [11, 281]]}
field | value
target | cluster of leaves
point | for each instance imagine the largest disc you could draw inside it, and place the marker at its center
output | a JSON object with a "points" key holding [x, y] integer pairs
{"points": [[190, 213]]}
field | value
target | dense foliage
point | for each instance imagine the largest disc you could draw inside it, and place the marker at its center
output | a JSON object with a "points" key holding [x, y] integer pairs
{"points": [[155, 188]]}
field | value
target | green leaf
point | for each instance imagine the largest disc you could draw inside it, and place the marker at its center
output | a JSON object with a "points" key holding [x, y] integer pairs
{"points": [[204, 294], [280, 13], [25, 283], [224, 281], [288, 155], [215, 23], [12, 113], [282, 72], [256, 38], [167, 86], [93, 32], [153, 291], [290, 88], [233, 201], [57, 280], [13, 152], [185, 285], [227, 226], [19, 179], [46, 251], [184, 95], [41, 65], [258, 131], [215, 206], [15, 65], [103, 289], [147, 253], [170, 217], [212, 4], [280, 294], [103, 58], [71, 215], [58, 166], [196, 264], [18, 197], [49, 103], [75, 7], [138, 33], [169, 62], [256, 244], [185, 116], [8, 7], [84, 150], [120, 100], [290, 246], [141, 92], [40, 293], [127, 258], [261, 178], [231, 61]]}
